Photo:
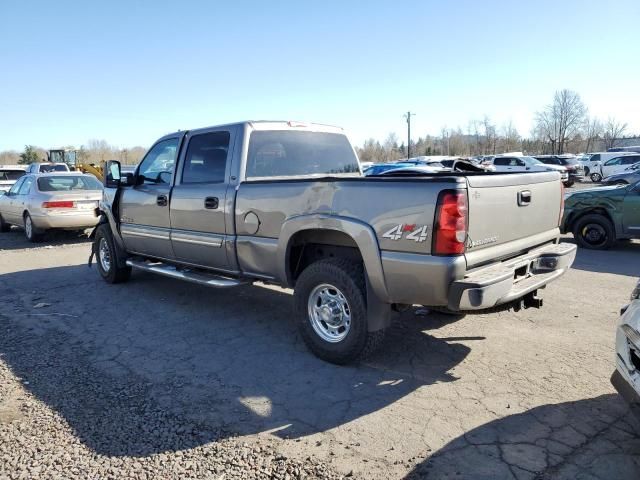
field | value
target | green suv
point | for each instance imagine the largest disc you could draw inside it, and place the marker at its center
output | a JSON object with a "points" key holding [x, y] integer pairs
{"points": [[598, 217]]}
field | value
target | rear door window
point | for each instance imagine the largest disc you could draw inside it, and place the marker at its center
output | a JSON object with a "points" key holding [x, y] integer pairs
{"points": [[502, 162], [206, 158]]}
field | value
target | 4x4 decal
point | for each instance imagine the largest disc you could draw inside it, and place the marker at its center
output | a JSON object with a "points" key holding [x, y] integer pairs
{"points": [[412, 231]]}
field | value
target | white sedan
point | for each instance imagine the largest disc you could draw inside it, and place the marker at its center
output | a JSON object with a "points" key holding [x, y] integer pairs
{"points": [[39, 202]]}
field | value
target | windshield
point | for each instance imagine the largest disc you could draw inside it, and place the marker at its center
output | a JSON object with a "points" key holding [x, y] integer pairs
{"points": [[531, 161], [284, 153], [11, 174], [53, 168], [67, 183]]}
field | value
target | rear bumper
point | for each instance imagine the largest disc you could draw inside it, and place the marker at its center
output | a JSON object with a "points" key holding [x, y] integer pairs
{"points": [[507, 281], [75, 220]]}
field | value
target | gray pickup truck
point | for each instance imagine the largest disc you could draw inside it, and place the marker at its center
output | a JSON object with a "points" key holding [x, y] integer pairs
{"points": [[286, 203]]}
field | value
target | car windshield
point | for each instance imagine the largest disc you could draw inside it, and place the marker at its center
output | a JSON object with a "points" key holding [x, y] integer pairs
{"points": [[53, 168], [11, 174], [531, 161], [59, 183]]}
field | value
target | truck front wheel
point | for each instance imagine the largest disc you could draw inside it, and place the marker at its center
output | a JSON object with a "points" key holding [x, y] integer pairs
{"points": [[107, 260], [331, 311]]}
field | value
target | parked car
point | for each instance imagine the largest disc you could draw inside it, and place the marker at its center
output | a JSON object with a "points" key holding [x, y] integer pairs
{"points": [[9, 176], [293, 209], [523, 163], [47, 167], [630, 175], [594, 160], [626, 377], [618, 164], [39, 202], [632, 148], [571, 163], [598, 217]]}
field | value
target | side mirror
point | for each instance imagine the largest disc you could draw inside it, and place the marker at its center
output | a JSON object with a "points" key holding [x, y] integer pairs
{"points": [[112, 175]]}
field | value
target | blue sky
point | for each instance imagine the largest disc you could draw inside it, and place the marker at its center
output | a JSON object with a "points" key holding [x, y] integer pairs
{"points": [[131, 71]]}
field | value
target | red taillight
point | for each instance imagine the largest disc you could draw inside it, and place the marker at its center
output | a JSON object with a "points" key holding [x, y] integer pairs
{"points": [[59, 204], [450, 228]]}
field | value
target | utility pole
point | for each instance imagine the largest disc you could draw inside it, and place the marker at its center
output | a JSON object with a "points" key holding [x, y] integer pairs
{"points": [[408, 116]]}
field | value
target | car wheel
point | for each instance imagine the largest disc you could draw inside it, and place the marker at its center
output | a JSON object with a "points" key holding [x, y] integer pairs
{"points": [[331, 311], [4, 226], [568, 184], [30, 231], [595, 177], [621, 182], [594, 232], [107, 257]]}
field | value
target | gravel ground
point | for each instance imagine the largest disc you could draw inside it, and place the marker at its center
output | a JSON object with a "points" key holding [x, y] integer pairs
{"points": [[160, 379]]}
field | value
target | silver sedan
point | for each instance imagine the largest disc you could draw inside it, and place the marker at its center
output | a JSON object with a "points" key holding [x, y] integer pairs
{"points": [[39, 202]]}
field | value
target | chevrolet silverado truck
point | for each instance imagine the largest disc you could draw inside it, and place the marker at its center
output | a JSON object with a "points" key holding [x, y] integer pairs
{"points": [[598, 217], [286, 203]]}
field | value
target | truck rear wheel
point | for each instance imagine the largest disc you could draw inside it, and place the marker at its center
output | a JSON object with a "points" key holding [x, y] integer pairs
{"points": [[331, 311], [107, 257]]}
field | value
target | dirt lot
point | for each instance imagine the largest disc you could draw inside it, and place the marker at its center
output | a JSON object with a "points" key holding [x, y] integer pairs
{"points": [[157, 378]]}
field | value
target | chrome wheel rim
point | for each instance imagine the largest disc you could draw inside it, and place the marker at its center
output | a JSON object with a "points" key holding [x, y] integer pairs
{"points": [[329, 313], [104, 255], [28, 227]]}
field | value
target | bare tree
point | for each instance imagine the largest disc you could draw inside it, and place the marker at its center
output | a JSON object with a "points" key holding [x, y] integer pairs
{"points": [[613, 130], [560, 121], [592, 131], [490, 136], [511, 137]]}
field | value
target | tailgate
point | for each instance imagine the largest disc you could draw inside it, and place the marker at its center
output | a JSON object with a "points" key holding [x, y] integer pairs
{"points": [[511, 213]]}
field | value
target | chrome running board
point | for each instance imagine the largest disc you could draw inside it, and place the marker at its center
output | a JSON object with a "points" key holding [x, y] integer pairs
{"points": [[199, 277]]}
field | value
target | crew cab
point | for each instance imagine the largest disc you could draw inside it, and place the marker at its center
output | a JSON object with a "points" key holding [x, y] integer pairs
{"points": [[598, 217], [286, 203]]}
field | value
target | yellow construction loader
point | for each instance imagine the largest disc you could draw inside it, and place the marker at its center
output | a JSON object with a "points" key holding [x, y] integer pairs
{"points": [[70, 157]]}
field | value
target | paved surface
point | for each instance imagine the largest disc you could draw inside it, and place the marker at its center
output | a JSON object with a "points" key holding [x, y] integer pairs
{"points": [[508, 395]]}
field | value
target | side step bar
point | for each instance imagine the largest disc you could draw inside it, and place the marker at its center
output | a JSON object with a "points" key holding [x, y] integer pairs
{"points": [[201, 278]]}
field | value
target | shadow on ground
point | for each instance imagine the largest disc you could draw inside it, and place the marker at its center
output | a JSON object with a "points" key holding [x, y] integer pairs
{"points": [[15, 239], [596, 438], [207, 362], [615, 260]]}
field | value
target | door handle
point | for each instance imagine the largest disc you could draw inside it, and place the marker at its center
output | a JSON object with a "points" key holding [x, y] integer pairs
{"points": [[211, 203], [161, 200], [524, 198]]}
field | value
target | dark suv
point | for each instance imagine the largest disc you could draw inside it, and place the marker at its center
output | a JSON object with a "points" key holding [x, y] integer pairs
{"points": [[574, 168]]}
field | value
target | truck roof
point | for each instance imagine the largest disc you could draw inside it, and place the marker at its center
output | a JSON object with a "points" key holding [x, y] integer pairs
{"points": [[271, 125]]}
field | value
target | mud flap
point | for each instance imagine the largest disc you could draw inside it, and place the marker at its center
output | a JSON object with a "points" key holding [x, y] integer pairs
{"points": [[379, 313]]}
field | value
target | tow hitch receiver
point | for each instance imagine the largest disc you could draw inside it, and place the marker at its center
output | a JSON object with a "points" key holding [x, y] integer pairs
{"points": [[528, 301]]}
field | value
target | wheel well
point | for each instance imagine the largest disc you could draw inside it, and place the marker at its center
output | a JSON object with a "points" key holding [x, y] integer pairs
{"points": [[593, 211], [309, 246]]}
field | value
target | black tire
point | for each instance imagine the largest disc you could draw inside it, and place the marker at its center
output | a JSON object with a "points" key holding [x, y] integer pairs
{"points": [[595, 232], [569, 183], [595, 177], [32, 234], [108, 267], [4, 226], [620, 182], [347, 278]]}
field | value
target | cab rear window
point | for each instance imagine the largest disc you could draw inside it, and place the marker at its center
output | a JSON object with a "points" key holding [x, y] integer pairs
{"points": [[53, 183], [289, 153], [11, 174]]}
